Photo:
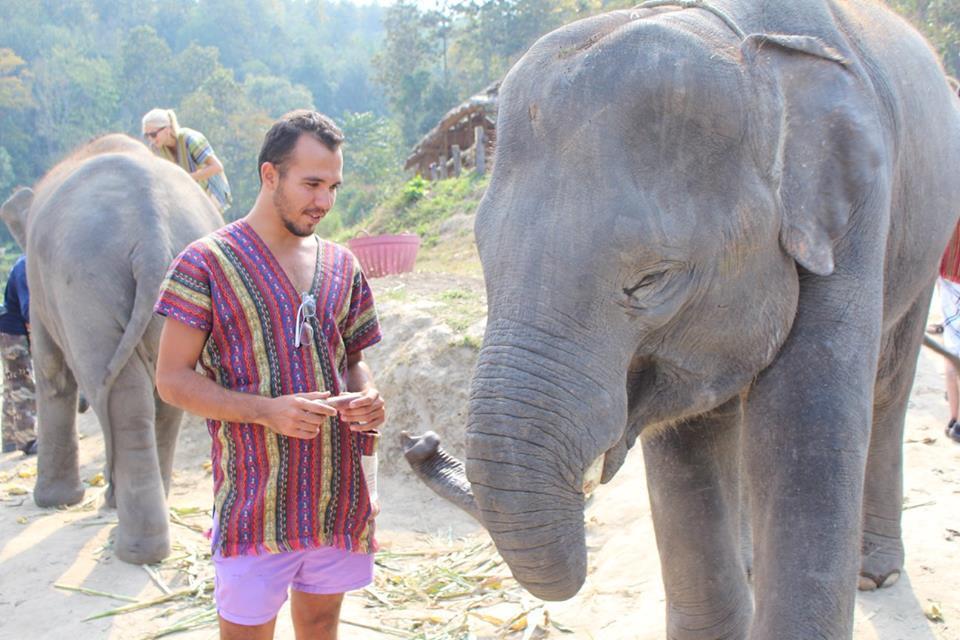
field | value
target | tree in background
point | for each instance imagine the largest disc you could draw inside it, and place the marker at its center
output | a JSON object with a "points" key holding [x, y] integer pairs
{"points": [[76, 97], [75, 69], [15, 98], [410, 67], [373, 153], [14, 81], [939, 20], [432, 59]]}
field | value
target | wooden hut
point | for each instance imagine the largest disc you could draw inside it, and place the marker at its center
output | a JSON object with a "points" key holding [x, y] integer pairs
{"points": [[463, 138]]}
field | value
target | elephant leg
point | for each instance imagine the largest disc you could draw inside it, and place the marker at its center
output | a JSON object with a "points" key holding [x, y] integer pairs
{"points": [[142, 534], [807, 422], [882, 546], [58, 470], [692, 476], [168, 423]]}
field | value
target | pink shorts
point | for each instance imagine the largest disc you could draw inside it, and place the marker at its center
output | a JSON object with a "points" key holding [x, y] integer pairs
{"points": [[250, 590]]}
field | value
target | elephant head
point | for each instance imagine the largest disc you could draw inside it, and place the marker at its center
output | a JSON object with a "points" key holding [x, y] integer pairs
{"points": [[14, 213], [657, 194]]}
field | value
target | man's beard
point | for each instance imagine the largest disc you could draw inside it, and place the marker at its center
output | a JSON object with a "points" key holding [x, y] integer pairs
{"points": [[287, 216]]}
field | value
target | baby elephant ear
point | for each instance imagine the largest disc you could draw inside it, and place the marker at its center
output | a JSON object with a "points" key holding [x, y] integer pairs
{"points": [[14, 213], [829, 142]]}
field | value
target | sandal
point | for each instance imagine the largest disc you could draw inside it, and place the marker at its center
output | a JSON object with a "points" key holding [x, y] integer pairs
{"points": [[953, 430]]}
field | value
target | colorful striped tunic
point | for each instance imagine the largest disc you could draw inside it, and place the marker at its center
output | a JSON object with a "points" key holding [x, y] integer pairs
{"points": [[192, 151], [274, 493]]}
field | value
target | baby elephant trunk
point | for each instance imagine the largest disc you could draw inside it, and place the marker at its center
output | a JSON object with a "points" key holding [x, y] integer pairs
{"points": [[440, 471]]}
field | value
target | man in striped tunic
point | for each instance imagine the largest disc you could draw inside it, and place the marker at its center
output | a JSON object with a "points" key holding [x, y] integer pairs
{"points": [[278, 320]]}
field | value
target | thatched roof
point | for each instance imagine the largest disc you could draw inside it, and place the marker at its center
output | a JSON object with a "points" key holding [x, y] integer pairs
{"points": [[456, 127]]}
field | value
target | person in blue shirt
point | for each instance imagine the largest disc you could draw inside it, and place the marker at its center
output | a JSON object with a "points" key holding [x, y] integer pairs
{"points": [[19, 401]]}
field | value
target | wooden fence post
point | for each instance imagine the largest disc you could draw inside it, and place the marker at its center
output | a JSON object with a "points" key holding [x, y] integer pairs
{"points": [[480, 149], [457, 163], [443, 167]]}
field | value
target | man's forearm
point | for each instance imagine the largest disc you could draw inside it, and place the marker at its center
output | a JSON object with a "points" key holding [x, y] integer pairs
{"points": [[201, 396], [359, 376]]}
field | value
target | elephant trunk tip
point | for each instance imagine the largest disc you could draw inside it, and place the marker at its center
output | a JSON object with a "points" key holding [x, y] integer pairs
{"points": [[418, 449], [443, 473]]}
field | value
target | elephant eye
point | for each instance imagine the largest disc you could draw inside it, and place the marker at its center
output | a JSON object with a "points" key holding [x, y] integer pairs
{"points": [[646, 282]]}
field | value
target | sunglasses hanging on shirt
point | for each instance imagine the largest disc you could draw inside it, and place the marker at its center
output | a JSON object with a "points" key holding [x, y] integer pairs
{"points": [[306, 312]]}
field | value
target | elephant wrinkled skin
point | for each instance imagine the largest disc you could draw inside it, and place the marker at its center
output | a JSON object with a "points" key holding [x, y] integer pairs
{"points": [[100, 231], [714, 228]]}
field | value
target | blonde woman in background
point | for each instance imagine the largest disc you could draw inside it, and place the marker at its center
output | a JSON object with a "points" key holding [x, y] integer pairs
{"points": [[189, 149]]}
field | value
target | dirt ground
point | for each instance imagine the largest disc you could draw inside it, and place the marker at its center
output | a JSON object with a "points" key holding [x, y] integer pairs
{"points": [[622, 599]]}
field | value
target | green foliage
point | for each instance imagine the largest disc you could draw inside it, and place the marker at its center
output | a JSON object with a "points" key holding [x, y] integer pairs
{"points": [[459, 309], [494, 33], [420, 207], [468, 342], [939, 21], [14, 81], [7, 176], [411, 66], [276, 96], [74, 69], [76, 98], [372, 155], [413, 190]]}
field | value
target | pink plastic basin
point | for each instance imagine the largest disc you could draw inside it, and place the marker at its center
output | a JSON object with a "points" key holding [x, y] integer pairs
{"points": [[385, 255]]}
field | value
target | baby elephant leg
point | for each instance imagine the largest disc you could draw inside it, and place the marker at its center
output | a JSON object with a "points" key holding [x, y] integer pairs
{"points": [[143, 534], [58, 471]]}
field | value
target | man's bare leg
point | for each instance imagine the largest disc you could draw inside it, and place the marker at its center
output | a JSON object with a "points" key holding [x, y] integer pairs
{"points": [[233, 631], [315, 616]]}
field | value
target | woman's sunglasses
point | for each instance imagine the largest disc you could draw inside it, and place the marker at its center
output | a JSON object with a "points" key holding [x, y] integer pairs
{"points": [[153, 134]]}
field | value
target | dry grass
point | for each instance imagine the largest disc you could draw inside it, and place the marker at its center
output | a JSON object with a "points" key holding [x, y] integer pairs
{"points": [[444, 590]]}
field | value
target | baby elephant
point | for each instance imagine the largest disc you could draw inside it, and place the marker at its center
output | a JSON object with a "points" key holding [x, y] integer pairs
{"points": [[99, 231]]}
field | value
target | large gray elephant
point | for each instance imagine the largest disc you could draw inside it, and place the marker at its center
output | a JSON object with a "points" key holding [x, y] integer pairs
{"points": [[714, 227], [100, 231]]}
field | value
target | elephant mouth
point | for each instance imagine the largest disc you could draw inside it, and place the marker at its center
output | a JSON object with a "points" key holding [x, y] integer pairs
{"points": [[445, 474], [593, 475]]}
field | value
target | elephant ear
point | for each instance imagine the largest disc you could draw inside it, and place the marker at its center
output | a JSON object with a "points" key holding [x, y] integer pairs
{"points": [[14, 213], [830, 142]]}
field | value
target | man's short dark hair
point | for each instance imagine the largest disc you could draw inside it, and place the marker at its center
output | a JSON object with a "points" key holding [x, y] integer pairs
{"points": [[283, 135]]}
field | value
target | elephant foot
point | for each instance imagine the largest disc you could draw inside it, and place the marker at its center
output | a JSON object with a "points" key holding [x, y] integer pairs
{"points": [[57, 494], [881, 561], [872, 583], [137, 548]]}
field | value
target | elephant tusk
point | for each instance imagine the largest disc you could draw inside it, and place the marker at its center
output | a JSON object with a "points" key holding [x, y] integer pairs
{"points": [[591, 477]]}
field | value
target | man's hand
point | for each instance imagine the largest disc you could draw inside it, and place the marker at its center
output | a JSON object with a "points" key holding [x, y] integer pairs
{"points": [[298, 415], [363, 411]]}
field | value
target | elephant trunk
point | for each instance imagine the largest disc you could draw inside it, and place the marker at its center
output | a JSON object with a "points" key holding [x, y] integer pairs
{"points": [[534, 449], [439, 470], [541, 538]]}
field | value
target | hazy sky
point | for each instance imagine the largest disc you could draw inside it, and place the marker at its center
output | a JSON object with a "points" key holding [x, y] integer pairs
{"points": [[423, 4]]}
